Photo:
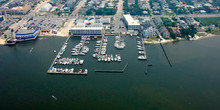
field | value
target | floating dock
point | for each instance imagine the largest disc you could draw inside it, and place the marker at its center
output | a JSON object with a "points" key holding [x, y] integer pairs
{"points": [[113, 71]]}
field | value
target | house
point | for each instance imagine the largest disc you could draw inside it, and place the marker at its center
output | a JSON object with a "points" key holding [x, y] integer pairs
{"points": [[165, 33], [176, 31]]}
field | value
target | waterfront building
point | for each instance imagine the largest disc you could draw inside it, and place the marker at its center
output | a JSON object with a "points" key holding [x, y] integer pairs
{"points": [[130, 23], [27, 34], [87, 31], [149, 32], [165, 33]]}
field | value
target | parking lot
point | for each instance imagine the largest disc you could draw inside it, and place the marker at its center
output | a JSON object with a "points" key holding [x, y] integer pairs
{"points": [[45, 23]]}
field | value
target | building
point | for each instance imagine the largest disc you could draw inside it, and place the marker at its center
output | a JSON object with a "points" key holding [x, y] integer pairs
{"points": [[158, 21], [202, 11], [46, 8], [149, 32], [176, 31], [165, 33], [69, 3], [87, 31], [130, 23], [16, 10], [25, 34]]}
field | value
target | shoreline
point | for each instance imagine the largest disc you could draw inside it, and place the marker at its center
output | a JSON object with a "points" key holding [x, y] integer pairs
{"points": [[180, 39], [2, 41]]}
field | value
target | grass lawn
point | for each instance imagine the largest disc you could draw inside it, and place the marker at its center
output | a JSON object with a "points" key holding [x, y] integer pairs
{"points": [[208, 21], [155, 38]]}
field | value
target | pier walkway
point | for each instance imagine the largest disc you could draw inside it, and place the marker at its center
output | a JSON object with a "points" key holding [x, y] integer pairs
{"points": [[145, 53], [100, 48]]}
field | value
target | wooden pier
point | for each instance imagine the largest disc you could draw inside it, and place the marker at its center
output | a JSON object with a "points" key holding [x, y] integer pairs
{"points": [[58, 53], [145, 53], [113, 71]]}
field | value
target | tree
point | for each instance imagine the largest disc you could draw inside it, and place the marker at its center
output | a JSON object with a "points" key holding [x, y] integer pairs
{"points": [[5, 36]]}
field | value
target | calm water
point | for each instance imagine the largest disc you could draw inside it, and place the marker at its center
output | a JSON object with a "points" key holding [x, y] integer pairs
{"points": [[192, 83]]}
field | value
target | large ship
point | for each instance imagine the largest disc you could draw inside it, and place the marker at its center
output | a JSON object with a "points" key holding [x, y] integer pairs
{"points": [[26, 34]]}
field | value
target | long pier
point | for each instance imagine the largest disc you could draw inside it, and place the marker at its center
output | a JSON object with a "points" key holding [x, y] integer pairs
{"points": [[166, 55], [59, 52], [113, 71]]}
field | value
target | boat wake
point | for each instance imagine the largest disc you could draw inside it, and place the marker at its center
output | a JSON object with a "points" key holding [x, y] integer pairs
{"points": [[54, 97], [42, 38], [31, 50]]}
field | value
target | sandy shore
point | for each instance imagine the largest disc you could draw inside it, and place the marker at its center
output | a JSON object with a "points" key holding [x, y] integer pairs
{"points": [[201, 37], [157, 42], [2, 41]]}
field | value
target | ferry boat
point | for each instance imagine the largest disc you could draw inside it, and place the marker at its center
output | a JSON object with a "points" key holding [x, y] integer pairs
{"points": [[24, 35]]}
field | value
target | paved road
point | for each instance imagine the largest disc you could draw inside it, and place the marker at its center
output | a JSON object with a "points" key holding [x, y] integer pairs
{"points": [[117, 22], [71, 19]]}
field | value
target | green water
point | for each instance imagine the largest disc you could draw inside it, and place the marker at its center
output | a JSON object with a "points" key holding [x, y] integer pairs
{"points": [[192, 83]]}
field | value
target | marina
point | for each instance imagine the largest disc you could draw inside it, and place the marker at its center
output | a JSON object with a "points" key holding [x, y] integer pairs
{"points": [[133, 82], [66, 61]]}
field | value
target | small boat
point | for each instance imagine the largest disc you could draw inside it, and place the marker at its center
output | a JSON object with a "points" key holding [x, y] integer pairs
{"points": [[86, 71], [81, 62], [54, 51], [115, 58], [54, 97], [146, 69]]}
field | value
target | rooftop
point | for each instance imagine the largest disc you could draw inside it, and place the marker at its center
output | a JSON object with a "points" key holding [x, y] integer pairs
{"points": [[87, 28], [130, 20], [25, 31]]}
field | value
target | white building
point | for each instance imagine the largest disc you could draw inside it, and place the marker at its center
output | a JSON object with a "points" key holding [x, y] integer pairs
{"points": [[87, 31], [130, 23], [46, 7], [149, 32]]}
